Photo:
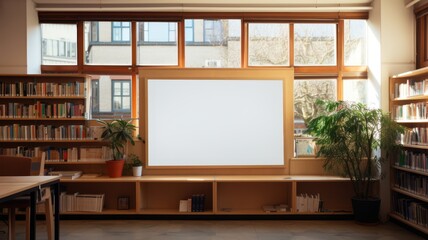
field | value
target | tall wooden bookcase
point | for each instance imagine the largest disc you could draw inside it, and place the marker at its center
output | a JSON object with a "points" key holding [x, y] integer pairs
{"points": [[45, 112], [409, 170]]}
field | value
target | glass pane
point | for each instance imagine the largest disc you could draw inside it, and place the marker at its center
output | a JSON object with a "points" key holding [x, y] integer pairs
{"points": [[355, 90], [126, 103], [216, 46], [117, 104], [306, 93], [105, 104], [117, 88], [315, 44], [112, 45], [67, 34], [355, 42], [126, 89], [268, 44], [157, 43]]}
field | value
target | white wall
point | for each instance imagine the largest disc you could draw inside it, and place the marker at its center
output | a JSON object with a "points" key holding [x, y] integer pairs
{"points": [[13, 40], [34, 41], [391, 51]]}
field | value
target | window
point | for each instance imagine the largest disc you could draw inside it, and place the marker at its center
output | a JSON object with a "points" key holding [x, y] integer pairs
{"points": [[189, 30], [314, 44], [110, 96], [121, 96], [95, 96], [59, 44], [306, 93], [214, 43], [268, 44], [121, 31], [355, 90], [355, 42], [107, 43], [157, 43]]}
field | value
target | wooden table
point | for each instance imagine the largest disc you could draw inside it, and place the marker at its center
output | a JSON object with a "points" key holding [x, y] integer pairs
{"points": [[12, 187]]}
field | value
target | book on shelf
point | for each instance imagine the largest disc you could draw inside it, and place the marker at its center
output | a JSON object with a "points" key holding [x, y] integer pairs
{"points": [[308, 202], [275, 208], [66, 174]]}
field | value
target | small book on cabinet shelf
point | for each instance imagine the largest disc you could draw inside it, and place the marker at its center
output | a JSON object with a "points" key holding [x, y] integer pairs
{"points": [[66, 174]]}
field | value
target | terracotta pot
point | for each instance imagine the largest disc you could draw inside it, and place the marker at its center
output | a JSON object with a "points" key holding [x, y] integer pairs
{"points": [[114, 168]]}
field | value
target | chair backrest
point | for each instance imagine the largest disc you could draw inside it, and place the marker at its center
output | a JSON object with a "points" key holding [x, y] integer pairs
{"points": [[38, 165], [15, 166]]}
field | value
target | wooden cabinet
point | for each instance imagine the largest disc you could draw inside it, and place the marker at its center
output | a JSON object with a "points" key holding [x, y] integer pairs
{"points": [[224, 195], [409, 170]]}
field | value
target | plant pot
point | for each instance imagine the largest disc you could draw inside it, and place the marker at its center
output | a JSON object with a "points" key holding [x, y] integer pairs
{"points": [[366, 210], [114, 168], [137, 171]]}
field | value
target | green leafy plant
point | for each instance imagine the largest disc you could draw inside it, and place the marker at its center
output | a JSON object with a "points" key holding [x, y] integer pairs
{"points": [[349, 136], [133, 161], [118, 132]]}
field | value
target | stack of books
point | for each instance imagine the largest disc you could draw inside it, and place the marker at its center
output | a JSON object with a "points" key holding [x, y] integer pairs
{"points": [[77, 202], [66, 174]]}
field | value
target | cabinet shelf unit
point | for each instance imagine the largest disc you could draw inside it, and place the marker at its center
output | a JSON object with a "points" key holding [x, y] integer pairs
{"points": [[224, 195], [409, 170]]}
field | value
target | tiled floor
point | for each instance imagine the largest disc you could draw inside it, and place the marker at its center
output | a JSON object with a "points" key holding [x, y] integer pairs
{"points": [[215, 229]]}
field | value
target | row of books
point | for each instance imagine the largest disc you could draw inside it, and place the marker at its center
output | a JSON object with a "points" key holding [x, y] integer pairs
{"points": [[412, 160], [23, 89], [77, 202], [412, 111], [44, 132], [308, 202], [413, 183], [196, 203], [411, 210], [42, 110], [60, 154], [416, 136], [411, 88]]}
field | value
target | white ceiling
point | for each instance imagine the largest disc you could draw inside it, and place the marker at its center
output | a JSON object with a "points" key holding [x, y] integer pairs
{"points": [[205, 5]]}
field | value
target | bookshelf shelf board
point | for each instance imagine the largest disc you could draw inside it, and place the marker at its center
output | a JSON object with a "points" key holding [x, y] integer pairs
{"points": [[53, 162], [413, 121], [42, 97], [102, 179], [43, 119], [173, 178], [411, 170], [413, 73], [172, 212], [104, 212], [279, 178], [415, 146], [52, 141], [417, 226], [413, 195], [412, 98], [251, 212]]}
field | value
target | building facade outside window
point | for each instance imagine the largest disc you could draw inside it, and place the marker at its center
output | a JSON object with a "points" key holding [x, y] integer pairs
{"points": [[121, 31]]}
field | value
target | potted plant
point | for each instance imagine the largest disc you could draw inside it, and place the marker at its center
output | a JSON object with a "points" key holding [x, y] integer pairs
{"points": [[118, 133], [348, 136], [136, 164]]}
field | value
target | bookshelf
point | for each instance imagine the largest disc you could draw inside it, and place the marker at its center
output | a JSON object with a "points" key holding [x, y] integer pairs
{"points": [[46, 113], [409, 170]]}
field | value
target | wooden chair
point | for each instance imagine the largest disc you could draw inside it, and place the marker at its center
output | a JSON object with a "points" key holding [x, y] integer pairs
{"points": [[23, 166]]}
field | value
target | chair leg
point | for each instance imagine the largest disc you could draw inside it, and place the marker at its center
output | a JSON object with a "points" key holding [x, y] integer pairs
{"points": [[49, 218], [11, 228], [27, 223]]}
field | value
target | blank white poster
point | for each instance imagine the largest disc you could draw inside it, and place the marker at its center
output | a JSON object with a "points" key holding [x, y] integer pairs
{"points": [[215, 122]]}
